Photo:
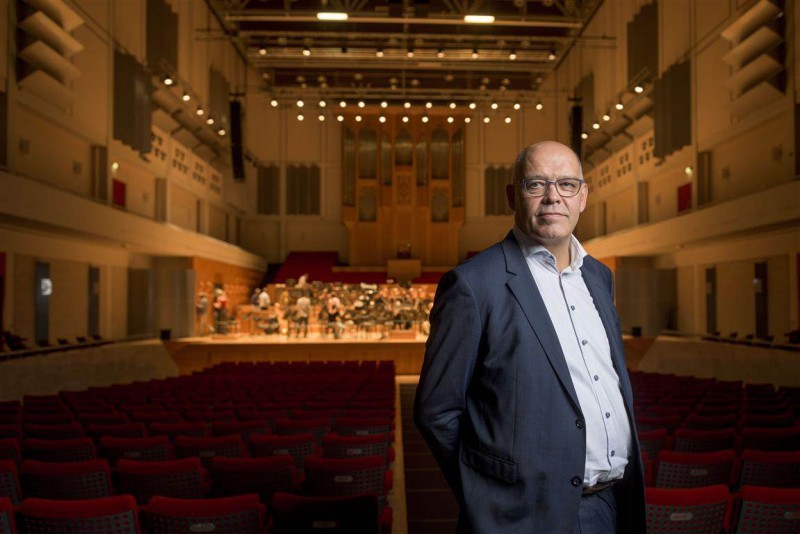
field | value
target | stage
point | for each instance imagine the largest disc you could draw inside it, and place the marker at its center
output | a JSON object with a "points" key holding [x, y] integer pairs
{"points": [[405, 347]]}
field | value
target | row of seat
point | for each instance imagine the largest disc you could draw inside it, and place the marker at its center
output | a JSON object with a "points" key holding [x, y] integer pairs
{"points": [[244, 514]]}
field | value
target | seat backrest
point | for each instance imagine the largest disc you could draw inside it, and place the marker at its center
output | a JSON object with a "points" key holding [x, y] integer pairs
{"points": [[692, 440], [652, 441], [208, 448], [123, 430], [264, 476], [66, 480], [770, 468], [688, 511], [356, 426], [10, 450], [65, 431], [243, 514], [317, 427], [298, 446], [151, 449], [9, 481], [768, 510], [7, 523], [770, 439], [184, 478], [691, 470], [336, 446], [336, 476], [59, 450], [295, 514], [109, 515], [174, 430]]}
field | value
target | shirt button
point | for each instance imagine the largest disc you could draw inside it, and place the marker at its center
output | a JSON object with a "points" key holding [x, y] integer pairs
{"points": [[613, 453], [572, 308], [608, 414], [596, 378], [579, 423], [584, 342], [576, 481]]}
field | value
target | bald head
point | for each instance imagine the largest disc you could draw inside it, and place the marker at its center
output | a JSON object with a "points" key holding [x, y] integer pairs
{"points": [[543, 148]]}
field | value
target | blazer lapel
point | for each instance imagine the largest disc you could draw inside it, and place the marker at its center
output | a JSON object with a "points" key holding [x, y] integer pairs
{"points": [[524, 288], [603, 303]]}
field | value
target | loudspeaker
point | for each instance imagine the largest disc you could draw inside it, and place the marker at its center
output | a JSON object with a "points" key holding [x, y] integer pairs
{"points": [[237, 149], [576, 124]]}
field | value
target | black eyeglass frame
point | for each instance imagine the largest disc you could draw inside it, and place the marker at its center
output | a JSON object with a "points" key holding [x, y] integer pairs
{"points": [[557, 183]]}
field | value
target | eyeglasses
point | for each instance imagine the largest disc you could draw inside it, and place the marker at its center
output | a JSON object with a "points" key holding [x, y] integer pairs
{"points": [[566, 187]]}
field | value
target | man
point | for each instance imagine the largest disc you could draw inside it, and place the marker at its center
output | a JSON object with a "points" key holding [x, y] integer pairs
{"points": [[524, 398], [263, 299]]}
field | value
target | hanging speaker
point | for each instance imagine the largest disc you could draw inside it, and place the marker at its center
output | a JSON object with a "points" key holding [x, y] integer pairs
{"points": [[237, 149]]}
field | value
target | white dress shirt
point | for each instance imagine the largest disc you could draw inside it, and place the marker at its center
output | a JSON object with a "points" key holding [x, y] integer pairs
{"points": [[586, 348]]}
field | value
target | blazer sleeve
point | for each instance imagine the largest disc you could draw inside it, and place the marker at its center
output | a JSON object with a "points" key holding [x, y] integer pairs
{"points": [[450, 357]]}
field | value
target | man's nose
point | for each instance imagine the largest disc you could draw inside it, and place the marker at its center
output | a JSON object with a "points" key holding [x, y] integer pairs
{"points": [[551, 195]]}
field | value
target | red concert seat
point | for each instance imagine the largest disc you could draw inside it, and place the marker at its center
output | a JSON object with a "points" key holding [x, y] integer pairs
{"points": [[65, 431], [778, 469], [109, 515], [349, 476], [123, 430], [317, 427], [243, 514], [7, 523], [243, 428], [151, 449], [694, 469], [183, 478], [9, 482], [59, 450], [336, 446], [174, 430], [293, 514], [704, 510], [653, 441], [208, 448], [10, 450], [264, 476], [770, 439], [690, 440], [768, 510], [298, 446], [67, 480], [353, 426]]}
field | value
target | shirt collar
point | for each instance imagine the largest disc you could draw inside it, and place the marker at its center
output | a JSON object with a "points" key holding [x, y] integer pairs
{"points": [[530, 247]]}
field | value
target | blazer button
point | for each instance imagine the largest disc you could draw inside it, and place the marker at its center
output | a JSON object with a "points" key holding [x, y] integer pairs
{"points": [[576, 481], [579, 423]]}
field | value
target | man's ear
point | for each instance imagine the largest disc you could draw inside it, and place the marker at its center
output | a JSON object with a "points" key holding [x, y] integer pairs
{"points": [[511, 196]]}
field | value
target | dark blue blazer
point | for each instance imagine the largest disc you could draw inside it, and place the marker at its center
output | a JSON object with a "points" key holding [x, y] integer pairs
{"points": [[496, 404]]}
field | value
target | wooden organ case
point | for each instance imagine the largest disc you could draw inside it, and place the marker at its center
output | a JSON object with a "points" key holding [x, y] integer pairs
{"points": [[403, 187]]}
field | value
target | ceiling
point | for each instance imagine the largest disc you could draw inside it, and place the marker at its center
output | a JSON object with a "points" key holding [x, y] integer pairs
{"points": [[404, 50]]}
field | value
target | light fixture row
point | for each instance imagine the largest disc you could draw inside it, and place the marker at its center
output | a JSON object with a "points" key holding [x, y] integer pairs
{"points": [[341, 16], [407, 104], [619, 106], [169, 81], [405, 118], [411, 52]]}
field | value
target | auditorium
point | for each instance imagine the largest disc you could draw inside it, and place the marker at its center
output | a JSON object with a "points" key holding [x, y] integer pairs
{"points": [[228, 230]]}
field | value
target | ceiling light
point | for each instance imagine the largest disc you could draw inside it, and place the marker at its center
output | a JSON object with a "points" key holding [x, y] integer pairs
{"points": [[479, 19], [606, 116], [486, 120], [639, 89], [474, 53], [331, 15], [596, 125], [467, 120], [440, 53], [361, 103], [620, 106], [115, 166], [200, 111], [262, 51], [358, 118], [186, 97], [221, 131], [508, 120], [428, 105], [517, 105], [450, 120], [405, 118], [448, 77], [410, 52], [210, 121], [688, 170], [379, 52], [472, 105], [552, 55], [384, 104], [539, 106], [452, 105], [513, 55], [300, 117], [407, 105], [381, 119], [425, 118], [584, 135], [322, 103], [168, 81], [339, 118], [342, 104], [321, 117], [306, 52], [300, 103], [494, 105]]}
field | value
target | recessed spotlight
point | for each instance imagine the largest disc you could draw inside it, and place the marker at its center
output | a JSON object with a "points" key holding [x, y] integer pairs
{"points": [[381, 119], [405, 118], [186, 97], [494, 105], [168, 81], [551, 56], [688, 170], [262, 51], [115, 166], [539, 106], [342, 104], [300, 103], [406, 105], [474, 53], [300, 117], [199, 112], [210, 121], [425, 118], [358, 118], [639, 89], [620, 106], [517, 105], [467, 120], [306, 52], [450, 120], [339, 118], [384, 104], [507, 120], [321, 117], [596, 125], [221, 132], [322, 103], [410, 52], [486, 120], [606, 116], [361, 103], [512, 55], [428, 105], [452, 105], [440, 53], [379, 52], [584, 135], [472, 105]]}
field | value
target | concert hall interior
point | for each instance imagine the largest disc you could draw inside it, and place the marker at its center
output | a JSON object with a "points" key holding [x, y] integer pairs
{"points": [[227, 218]]}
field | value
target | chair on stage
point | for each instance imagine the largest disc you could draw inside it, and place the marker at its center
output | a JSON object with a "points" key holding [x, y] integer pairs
{"points": [[67, 480], [704, 510], [184, 478], [109, 515], [243, 514], [347, 514], [765, 510]]}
